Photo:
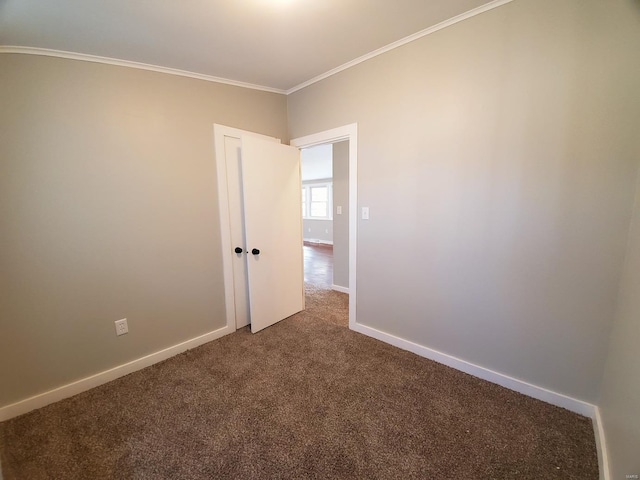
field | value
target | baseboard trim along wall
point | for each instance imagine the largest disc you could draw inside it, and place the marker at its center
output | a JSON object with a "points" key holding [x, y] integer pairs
{"points": [[601, 446], [87, 383], [540, 393], [578, 406], [558, 399], [317, 242], [338, 288]]}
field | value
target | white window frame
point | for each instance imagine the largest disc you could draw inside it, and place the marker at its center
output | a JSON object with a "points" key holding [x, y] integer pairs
{"points": [[306, 214]]}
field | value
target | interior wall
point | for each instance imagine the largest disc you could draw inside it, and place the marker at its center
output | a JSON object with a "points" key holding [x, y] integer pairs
{"points": [[496, 158], [318, 230], [108, 209], [620, 400], [341, 221]]}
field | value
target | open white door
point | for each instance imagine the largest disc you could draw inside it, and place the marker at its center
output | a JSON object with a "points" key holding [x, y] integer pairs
{"points": [[273, 227]]}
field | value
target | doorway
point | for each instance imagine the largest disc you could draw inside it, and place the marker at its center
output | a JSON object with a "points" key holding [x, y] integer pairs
{"points": [[325, 212], [261, 229], [348, 133]]}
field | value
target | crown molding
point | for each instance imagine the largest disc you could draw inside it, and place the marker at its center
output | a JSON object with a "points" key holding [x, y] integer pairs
{"points": [[183, 73], [126, 63], [422, 33]]}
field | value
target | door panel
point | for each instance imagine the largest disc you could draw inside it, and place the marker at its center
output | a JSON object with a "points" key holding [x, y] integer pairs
{"points": [[236, 215], [273, 225]]}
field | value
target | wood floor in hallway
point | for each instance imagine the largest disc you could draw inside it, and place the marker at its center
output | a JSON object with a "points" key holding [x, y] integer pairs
{"points": [[318, 265]]}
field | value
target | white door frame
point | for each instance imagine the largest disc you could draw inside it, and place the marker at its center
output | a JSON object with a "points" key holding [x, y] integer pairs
{"points": [[219, 132], [346, 132]]}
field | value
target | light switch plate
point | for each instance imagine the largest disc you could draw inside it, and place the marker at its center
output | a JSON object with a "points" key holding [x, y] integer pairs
{"points": [[339, 210], [365, 213]]}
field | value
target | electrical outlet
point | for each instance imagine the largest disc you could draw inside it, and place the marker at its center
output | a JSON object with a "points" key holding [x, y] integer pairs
{"points": [[122, 327]]}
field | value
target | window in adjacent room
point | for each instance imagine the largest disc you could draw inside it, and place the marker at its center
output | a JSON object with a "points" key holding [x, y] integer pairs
{"points": [[316, 201]]}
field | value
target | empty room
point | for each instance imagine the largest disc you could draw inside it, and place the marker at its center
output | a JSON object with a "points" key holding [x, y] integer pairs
{"points": [[477, 241]]}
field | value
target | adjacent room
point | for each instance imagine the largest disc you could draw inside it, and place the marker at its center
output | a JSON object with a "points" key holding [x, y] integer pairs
{"points": [[468, 172], [325, 214]]}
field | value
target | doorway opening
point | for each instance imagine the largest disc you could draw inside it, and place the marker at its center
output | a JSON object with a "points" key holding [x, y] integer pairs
{"points": [[325, 215], [338, 239]]}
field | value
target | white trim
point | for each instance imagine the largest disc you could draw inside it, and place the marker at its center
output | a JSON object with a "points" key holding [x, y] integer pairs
{"points": [[338, 288], [346, 132], [219, 132], [554, 398], [318, 180], [138, 65], [601, 446], [87, 383], [225, 222], [209, 78], [317, 241], [427, 31]]}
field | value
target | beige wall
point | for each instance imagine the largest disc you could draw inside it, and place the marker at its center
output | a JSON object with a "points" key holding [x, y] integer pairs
{"points": [[341, 222], [620, 392], [317, 230], [108, 209], [496, 158], [620, 401]]}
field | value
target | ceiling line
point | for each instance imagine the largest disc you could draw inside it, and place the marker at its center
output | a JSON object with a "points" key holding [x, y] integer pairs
{"points": [[130, 64], [399, 43], [209, 78]]}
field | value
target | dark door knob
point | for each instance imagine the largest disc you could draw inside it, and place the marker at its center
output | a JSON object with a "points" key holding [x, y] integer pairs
{"points": [[255, 251], [238, 250]]}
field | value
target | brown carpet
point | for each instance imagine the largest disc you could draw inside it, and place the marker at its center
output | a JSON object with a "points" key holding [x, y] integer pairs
{"points": [[306, 398]]}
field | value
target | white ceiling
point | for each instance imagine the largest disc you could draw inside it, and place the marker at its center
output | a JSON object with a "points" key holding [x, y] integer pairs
{"points": [[317, 162], [273, 43]]}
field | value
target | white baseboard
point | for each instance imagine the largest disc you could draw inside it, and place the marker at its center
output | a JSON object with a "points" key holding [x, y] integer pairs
{"points": [[317, 242], [601, 446], [540, 393], [338, 288], [578, 406], [554, 398], [87, 383]]}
